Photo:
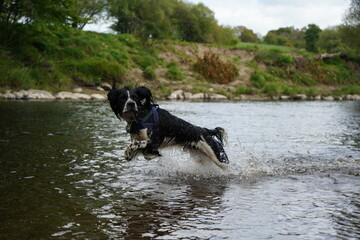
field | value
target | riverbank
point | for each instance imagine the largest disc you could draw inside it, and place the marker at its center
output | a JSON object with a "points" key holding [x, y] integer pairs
{"points": [[80, 59], [79, 94]]}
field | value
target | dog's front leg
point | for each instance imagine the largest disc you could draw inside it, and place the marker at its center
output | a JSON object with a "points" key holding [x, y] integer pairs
{"points": [[134, 148]]}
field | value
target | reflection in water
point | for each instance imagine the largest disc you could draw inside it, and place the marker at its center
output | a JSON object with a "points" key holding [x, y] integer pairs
{"points": [[294, 174], [347, 216]]}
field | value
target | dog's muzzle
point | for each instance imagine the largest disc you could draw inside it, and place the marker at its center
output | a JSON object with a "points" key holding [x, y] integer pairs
{"points": [[130, 106], [130, 111]]}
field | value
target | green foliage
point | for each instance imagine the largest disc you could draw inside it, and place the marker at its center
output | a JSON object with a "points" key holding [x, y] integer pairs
{"points": [[350, 31], [244, 90], [274, 57], [330, 41], [21, 19], [351, 89], [261, 47], [95, 70], [223, 35], [272, 89], [149, 73], [214, 69], [271, 38], [144, 60], [311, 92], [165, 90], [290, 91], [194, 23], [312, 35], [165, 19], [286, 36], [337, 72], [199, 90], [174, 72], [258, 79], [128, 39], [246, 35]]}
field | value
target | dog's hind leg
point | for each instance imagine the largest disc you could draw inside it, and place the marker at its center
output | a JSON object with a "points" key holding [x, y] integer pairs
{"points": [[213, 148]]}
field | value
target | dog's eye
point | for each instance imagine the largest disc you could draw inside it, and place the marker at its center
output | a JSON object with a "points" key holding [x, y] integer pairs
{"points": [[143, 101]]}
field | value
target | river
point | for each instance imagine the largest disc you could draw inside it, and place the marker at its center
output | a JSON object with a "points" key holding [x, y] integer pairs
{"points": [[294, 174]]}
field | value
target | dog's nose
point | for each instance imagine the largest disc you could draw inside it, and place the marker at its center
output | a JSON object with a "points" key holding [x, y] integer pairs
{"points": [[131, 106]]}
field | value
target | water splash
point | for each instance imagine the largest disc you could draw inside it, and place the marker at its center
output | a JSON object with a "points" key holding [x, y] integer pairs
{"points": [[178, 164]]}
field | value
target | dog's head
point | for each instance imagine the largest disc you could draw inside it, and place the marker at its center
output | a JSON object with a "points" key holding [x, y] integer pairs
{"points": [[130, 103]]}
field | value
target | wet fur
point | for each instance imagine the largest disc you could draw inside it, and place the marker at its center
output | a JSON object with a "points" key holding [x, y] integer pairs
{"points": [[170, 130]]}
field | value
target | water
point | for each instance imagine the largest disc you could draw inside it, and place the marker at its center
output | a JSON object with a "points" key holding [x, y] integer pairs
{"points": [[294, 174]]}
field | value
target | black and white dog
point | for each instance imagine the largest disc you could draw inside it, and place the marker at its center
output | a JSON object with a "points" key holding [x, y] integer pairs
{"points": [[152, 128]]}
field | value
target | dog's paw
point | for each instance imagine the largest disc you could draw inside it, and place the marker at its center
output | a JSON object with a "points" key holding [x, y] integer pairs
{"points": [[128, 154], [133, 149], [151, 155]]}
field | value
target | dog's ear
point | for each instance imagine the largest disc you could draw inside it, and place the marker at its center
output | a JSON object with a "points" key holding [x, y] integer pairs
{"points": [[114, 86], [145, 96], [112, 95]]}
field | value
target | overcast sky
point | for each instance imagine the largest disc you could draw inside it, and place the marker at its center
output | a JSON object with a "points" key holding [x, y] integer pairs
{"points": [[264, 15]]}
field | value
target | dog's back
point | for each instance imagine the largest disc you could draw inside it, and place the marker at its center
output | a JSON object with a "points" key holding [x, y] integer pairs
{"points": [[208, 141]]}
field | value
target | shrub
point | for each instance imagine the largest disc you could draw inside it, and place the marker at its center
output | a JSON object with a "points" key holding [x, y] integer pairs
{"points": [[352, 89], [244, 90], [149, 73], [213, 69], [258, 79], [127, 39], [284, 60], [311, 92], [199, 90], [174, 72], [290, 91], [144, 60], [274, 57], [271, 89], [165, 90], [304, 79], [94, 70]]}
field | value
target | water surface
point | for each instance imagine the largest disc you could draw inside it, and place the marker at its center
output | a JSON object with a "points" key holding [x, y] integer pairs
{"points": [[294, 174]]}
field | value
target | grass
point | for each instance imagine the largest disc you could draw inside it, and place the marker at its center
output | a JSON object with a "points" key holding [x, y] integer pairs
{"points": [[242, 90], [174, 72], [73, 57], [262, 46]]}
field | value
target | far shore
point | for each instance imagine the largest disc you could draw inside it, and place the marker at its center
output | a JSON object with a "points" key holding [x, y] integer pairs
{"points": [[101, 95]]}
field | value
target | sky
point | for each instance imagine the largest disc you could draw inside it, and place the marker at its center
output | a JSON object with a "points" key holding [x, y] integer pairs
{"points": [[264, 15]]}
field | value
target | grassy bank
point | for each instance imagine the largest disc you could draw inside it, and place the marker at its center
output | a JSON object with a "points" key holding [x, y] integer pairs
{"points": [[66, 59]]}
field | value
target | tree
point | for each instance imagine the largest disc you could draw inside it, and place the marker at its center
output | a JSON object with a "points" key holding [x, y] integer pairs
{"points": [[312, 34], [86, 11], [246, 35], [351, 29], [164, 19], [38, 17], [18, 16], [194, 23], [224, 35], [125, 15], [286, 36], [330, 40], [145, 18]]}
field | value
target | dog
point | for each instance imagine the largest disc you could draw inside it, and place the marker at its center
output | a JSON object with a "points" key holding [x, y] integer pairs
{"points": [[152, 128]]}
